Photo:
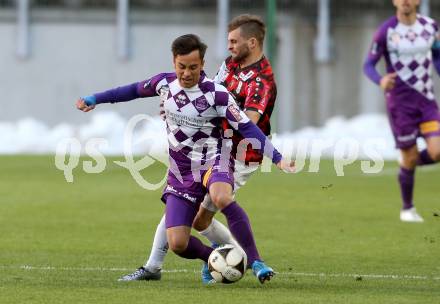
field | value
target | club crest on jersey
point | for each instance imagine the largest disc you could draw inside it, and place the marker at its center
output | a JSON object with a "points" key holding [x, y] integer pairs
{"points": [[181, 98], [411, 36], [201, 103], [245, 77], [235, 111]]}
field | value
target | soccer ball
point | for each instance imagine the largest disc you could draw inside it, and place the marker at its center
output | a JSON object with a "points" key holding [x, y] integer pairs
{"points": [[227, 264]]}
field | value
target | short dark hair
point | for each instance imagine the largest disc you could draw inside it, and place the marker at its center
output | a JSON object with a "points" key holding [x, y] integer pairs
{"points": [[251, 26], [185, 44]]}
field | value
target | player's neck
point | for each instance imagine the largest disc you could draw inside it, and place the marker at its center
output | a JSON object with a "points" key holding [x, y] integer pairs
{"points": [[251, 59], [407, 19]]}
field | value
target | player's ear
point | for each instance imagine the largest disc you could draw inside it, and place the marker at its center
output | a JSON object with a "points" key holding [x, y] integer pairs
{"points": [[253, 43], [202, 64]]}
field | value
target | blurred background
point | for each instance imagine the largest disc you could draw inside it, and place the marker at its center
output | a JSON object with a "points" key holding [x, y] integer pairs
{"points": [[53, 51]]}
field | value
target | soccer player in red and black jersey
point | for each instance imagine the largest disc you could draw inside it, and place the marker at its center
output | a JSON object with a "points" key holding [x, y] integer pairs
{"points": [[248, 76]]}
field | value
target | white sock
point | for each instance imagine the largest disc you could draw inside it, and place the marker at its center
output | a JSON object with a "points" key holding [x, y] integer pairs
{"points": [[217, 233], [159, 248]]}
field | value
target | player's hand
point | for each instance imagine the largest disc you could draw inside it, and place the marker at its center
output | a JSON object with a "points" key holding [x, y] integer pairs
{"points": [[86, 104], [287, 166], [388, 81]]}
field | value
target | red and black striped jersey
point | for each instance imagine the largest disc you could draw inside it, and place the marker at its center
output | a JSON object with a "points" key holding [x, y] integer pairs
{"points": [[254, 89]]}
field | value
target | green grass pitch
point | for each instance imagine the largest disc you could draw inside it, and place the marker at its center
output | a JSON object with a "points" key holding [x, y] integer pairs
{"points": [[331, 239]]}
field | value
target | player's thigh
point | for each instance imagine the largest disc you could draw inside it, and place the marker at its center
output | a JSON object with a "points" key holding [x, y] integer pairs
{"points": [[433, 144], [410, 157], [203, 219], [221, 194], [179, 216]]}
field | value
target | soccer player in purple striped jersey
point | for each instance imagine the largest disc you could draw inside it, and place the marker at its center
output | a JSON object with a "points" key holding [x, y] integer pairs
{"points": [[410, 44], [200, 158]]}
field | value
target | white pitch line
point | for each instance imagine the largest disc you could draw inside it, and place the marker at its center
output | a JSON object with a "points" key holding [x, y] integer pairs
{"points": [[301, 274]]}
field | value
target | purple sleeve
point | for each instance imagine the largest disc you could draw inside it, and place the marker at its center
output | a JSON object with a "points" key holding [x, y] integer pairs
{"points": [[119, 94], [436, 50], [436, 59], [249, 130], [228, 108], [146, 88], [376, 52]]}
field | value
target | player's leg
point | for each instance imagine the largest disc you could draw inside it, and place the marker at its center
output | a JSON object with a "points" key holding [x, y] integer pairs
{"points": [[239, 225], [152, 268], [205, 223], [159, 248], [431, 132], [410, 157], [209, 227], [179, 218], [433, 143]]}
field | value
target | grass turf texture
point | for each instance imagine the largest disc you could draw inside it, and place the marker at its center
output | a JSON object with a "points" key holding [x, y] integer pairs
{"points": [[305, 224]]}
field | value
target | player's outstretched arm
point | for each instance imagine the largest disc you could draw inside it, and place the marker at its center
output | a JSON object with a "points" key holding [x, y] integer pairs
{"points": [[240, 122], [146, 88]]}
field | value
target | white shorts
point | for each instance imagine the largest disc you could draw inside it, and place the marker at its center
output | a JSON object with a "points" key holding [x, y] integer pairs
{"points": [[242, 174]]}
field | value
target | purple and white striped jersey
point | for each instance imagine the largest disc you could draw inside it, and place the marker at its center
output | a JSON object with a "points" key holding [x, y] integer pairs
{"points": [[409, 51], [194, 119]]}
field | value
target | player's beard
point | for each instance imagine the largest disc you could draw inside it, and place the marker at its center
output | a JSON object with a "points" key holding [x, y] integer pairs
{"points": [[242, 54]]}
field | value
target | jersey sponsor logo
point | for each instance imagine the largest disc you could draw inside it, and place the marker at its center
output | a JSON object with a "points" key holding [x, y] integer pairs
{"points": [[245, 77], [238, 88], [201, 103], [395, 38], [235, 111], [408, 137], [185, 120], [171, 189]]}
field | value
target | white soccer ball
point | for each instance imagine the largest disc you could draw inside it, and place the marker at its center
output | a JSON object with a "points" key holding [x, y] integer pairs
{"points": [[227, 264]]}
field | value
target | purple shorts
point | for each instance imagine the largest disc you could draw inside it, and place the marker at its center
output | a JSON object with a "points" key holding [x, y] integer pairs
{"points": [[411, 119], [179, 211], [182, 205]]}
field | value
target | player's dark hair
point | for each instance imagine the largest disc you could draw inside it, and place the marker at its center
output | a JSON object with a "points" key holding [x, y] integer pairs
{"points": [[251, 26], [185, 44]]}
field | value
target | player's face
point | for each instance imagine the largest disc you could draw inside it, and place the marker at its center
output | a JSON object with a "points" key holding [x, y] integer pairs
{"points": [[238, 46], [406, 7], [188, 68]]}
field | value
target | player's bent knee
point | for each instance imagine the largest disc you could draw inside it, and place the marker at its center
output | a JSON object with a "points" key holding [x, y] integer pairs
{"points": [[221, 199], [178, 246], [201, 223], [410, 161]]}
